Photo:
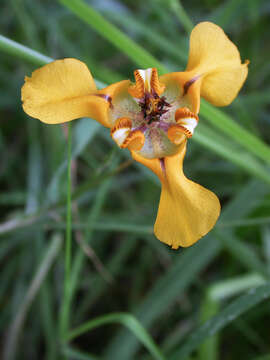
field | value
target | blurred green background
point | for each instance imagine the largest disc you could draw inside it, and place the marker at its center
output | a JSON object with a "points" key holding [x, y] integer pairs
{"points": [[117, 263]]}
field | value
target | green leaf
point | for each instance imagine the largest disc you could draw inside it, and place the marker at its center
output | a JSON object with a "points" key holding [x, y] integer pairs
{"points": [[209, 348], [238, 307], [243, 253], [128, 321], [231, 287], [224, 123], [41, 273], [74, 354], [174, 282], [178, 10], [212, 140]]}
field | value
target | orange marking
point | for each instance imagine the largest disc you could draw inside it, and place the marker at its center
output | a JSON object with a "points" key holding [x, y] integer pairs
{"points": [[121, 123], [155, 84], [176, 132], [183, 113], [134, 141], [137, 90]]}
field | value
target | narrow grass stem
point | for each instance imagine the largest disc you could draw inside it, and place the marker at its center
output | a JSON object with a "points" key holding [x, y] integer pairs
{"points": [[65, 311], [23, 52]]}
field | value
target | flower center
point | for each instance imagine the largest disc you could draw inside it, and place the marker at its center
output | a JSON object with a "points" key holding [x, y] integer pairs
{"points": [[153, 106], [149, 123]]}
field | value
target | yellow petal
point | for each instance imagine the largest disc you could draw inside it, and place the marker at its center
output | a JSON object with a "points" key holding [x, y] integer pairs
{"points": [[116, 89], [214, 58], [187, 211], [62, 91]]}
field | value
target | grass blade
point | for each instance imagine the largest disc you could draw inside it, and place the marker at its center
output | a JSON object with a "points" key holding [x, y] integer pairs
{"points": [[74, 354], [165, 291], [17, 324], [125, 319], [23, 52], [178, 9], [238, 307], [65, 310], [213, 141], [110, 32], [224, 123]]}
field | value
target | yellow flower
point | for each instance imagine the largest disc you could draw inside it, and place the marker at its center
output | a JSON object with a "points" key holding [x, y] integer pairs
{"points": [[153, 118]]}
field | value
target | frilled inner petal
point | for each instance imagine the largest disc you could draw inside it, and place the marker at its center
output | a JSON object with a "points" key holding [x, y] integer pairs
{"points": [[216, 60], [187, 211], [62, 91]]}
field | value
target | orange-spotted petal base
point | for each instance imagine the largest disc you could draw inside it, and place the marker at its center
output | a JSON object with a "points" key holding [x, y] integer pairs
{"points": [[125, 137], [186, 121]]}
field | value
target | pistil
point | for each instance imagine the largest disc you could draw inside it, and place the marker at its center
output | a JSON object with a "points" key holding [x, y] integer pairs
{"points": [[153, 107]]}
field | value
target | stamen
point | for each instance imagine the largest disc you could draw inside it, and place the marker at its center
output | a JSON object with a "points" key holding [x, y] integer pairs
{"points": [[155, 84], [137, 90]]}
